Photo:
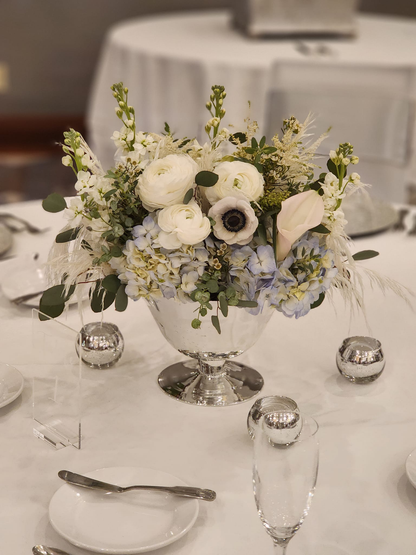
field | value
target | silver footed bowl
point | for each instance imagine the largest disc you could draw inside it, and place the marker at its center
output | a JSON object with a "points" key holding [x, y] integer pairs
{"points": [[211, 377]]}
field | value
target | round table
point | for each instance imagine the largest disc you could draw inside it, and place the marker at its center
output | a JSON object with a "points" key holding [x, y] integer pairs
{"points": [[169, 63], [363, 502]]}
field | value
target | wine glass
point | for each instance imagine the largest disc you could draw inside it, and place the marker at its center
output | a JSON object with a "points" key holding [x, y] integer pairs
{"points": [[285, 470]]}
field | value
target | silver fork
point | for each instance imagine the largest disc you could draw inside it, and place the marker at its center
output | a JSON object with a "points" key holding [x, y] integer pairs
{"points": [[182, 491], [4, 218]]}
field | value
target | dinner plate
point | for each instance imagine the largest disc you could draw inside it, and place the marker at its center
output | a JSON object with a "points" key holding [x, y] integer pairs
{"points": [[122, 523], [411, 468], [11, 384], [367, 216]]}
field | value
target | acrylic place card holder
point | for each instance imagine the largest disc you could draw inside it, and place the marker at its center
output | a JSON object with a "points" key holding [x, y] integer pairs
{"points": [[56, 383]]}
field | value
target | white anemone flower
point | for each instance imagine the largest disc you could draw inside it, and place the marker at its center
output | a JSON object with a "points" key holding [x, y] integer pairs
{"points": [[235, 220]]}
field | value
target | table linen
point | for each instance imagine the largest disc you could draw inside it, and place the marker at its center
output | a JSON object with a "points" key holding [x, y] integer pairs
{"points": [[363, 502], [169, 63]]}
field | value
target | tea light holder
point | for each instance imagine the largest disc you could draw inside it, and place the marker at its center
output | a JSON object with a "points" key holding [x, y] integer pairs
{"points": [[100, 344], [360, 359], [286, 413]]}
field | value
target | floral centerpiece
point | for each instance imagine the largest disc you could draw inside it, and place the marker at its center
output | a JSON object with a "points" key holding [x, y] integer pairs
{"points": [[223, 233], [231, 222]]}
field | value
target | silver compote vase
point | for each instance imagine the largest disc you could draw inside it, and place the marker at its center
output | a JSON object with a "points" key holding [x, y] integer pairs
{"points": [[211, 378]]}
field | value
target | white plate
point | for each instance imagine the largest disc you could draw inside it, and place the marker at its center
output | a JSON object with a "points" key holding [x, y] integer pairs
{"points": [[25, 275], [122, 524], [411, 468], [11, 384], [21, 276], [367, 216]]}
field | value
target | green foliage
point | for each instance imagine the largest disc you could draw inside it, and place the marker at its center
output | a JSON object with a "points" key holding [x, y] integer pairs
{"points": [[320, 229], [111, 283], [365, 255], [216, 323], [206, 179], [68, 235], [54, 203], [189, 194], [52, 302], [101, 299], [121, 299], [319, 301]]}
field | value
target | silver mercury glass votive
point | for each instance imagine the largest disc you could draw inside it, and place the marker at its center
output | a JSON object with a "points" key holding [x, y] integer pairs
{"points": [[360, 359], [283, 428], [100, 344], [278, 405]]}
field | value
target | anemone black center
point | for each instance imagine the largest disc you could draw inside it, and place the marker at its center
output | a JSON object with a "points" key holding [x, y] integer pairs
{"points": [[234, 220]]}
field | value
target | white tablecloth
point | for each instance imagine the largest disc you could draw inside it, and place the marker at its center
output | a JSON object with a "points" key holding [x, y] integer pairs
{"points": [[363, 504], [170, 62]]}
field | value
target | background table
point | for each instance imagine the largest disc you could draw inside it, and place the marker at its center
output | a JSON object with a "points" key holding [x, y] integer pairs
{"points": [[170, 62], [363, 503]]}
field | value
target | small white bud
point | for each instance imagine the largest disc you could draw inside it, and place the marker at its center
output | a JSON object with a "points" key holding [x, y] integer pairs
{"points": [[67, 161], [354, 160], [345, 161], [332, 154], [79, 152]]}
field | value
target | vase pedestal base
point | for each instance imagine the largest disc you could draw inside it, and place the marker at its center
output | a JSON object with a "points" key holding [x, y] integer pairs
{"points": [[236, 384]]}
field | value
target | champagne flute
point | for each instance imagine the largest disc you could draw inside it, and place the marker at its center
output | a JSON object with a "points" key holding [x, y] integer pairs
{"points": [[285, 470]]}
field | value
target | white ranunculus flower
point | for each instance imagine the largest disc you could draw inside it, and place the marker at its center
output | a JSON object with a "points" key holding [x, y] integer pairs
{"points": [[235, 220], [165, 181], [182, 224], [234, 179]]}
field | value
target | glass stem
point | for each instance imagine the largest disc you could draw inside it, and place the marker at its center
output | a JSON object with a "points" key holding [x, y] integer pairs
{"points": [[280, 546]]}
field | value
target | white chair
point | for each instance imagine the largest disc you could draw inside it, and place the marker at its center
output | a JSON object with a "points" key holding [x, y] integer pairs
{"points": [[370, 107]]}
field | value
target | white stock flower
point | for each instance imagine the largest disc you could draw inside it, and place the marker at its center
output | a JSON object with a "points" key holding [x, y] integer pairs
{"points": [[67, 160], [236, 179], [165, 181], [298, 214], [235, 220], [74, 212], [182, 224]]}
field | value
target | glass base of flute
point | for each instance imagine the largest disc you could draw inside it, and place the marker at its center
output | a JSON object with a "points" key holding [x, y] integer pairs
{"points": [[285, 470]]}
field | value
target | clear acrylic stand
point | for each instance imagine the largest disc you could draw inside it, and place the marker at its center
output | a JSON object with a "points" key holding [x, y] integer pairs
{"points": [[56, 383]]}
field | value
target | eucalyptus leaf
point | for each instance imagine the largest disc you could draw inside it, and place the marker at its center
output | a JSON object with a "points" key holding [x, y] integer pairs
{"points": [[54, 295], [223, 305], [320, 229], [111, 283], [332, 167], [238, 138], [101, 299], [121, 299], [319, 301], [365, 255], [116, 251], [216, 323], [54, 203], [206, 178], [68, 235], [53, 311], [261, 231], [247, 304], [188, 196], [212, 286], [109, 194]]}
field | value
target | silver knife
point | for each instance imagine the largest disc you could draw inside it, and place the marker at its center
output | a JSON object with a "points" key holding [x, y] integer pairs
{"points": [[182, 491]]}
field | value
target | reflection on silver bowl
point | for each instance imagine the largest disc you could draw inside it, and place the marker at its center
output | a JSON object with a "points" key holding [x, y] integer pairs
{"points": [[360, 359]]}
